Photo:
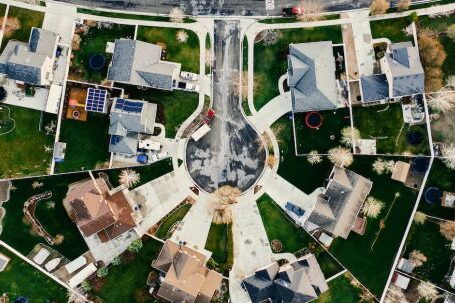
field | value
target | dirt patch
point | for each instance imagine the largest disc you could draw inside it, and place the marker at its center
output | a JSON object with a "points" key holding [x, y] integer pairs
{"points": [[11, 25], [443, 127]]}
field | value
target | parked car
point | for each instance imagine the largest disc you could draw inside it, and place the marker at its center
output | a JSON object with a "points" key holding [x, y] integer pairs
{"points": [[187, 86], [291, 11], [188, 76]]}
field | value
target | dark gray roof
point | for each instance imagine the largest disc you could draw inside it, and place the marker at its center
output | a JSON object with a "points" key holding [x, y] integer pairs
{"points": [[139, 63], [374, 87], [311, 76]]}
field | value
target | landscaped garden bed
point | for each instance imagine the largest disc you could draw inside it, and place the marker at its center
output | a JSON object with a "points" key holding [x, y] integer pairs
{"points": [[174, 217], [220, 243]]}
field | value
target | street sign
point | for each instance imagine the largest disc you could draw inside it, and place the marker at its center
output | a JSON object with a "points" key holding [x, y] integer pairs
{"points": [[269, 5]]}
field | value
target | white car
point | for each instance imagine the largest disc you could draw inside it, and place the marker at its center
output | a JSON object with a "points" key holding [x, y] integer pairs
{"points": [[188, 76], [192, 87]]}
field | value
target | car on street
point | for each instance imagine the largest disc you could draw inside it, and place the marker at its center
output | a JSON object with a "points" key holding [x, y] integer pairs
{"points": [[291, 11]]}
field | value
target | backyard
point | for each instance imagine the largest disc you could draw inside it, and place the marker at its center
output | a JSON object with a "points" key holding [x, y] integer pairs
{"points": [[276, 57], [385, 123], [26, 19], [186, 53], [293, 238], [220, 243], [51, 214], [326, 136], [21, 279], [172, 218], [87, 143], [340, 291], [131, 275], [23, 149], [391, 29], [174, 107], [94, 42], [370, 257]]}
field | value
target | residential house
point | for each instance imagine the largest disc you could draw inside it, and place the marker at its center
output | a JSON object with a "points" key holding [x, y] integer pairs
{"points": [[31, 62], [4, 260], [402, 75], [186, 279], [98, 210], [337, 208], [298, 282], [129, 119], [311, 76], [139, 63]]}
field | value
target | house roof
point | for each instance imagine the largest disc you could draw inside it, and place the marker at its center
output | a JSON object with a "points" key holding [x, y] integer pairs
{"points": [[43, 42], [337, 209], [311, 76], [374, 87], [299, 282], [142, 121], [97, 211], [406, 69], [124, 145], [187, 279], [139, 63]]}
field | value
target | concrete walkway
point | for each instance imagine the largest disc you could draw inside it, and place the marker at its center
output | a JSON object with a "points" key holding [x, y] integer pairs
{"points": [[271, 112]]}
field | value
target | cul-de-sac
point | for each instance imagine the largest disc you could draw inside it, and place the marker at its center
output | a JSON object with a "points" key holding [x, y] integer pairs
{"points": [[209, 151]]}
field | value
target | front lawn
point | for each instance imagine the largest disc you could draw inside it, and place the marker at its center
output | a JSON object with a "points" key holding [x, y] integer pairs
{"points": [[87, 143], [367, 260], [94, 42], [270, 61], [127, 282], [427, 239], [384, 123], [26, 19], [340, 291], [51, 214], [172, 218], [174, 107], [391, 29], [185, 53], [293, 238], [296, 169], [21, 279], [325, 137], [220, 243], [23, 152]]}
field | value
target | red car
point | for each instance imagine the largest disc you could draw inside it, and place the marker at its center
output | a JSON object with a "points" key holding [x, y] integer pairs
{"points": [[209, 116], [291, 11]]}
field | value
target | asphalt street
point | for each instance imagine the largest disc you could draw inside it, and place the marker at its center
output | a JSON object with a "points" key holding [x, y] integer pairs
{"points": [[213, 7], [232, 153]]}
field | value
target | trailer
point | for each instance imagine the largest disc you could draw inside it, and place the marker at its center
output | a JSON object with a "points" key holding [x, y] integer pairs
{"points": [[200, 132]]}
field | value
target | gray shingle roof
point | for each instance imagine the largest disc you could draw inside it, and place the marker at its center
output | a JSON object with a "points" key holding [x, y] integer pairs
{"points": [[374, 87], [125, 145], [311, 76], [139, 63]]}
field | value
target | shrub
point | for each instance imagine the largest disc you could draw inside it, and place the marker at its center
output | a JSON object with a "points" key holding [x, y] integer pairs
{"points": [[102, 272], [450, 32], [379, 7], [413, 17], [135, 246], [403, 5]]}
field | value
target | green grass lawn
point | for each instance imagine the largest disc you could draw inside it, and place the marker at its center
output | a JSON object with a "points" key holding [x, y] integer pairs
{"points": [[270, 62], [309, 139], [340, 291], [21, 279], [127, 281], [146, 172], [172, 218], [390, 28], [220, 243], [23, 151], [173, 107], [375, 122], [296, 169], [427, 239], [185, 53], [444, 178], [27, 19], [94, 42], [2, 9], [87, 143], [18, 233], [292, 237], [372, 266]]}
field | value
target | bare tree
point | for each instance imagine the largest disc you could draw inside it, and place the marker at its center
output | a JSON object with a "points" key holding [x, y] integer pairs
{"points": [[310, 10], [314, 157], [395, 295], [447, 229], [224, 197], [182, 36], [348, 134], [443, 100], [380, 166], [37, 184], [372, 207], [450, 32], [417, 258], [448, 153], [432, 55], [403, 5], [379, 7], [341, 156], [427, 290], [271, 36], [176, 15], [129, 177], [420, 218]]}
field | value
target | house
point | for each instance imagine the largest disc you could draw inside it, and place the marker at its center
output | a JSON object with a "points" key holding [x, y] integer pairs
{"points": [[401, 281], [4, 260], [139, 63], [31, 62], [298, 282], [402, 75], [186, 277], [448, 199], [311, 76], [406, 265], [336, 209], [99, 211], [128, 120]]}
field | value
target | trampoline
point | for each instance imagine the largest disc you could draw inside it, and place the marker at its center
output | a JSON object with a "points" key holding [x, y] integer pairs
{"points": [[433, 195], [313, 120], [420, 165], [97, 61], [414, 137]]}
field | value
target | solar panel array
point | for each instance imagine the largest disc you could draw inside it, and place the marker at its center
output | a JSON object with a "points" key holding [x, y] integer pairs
{"points": [[96, 100], [129, 106]]}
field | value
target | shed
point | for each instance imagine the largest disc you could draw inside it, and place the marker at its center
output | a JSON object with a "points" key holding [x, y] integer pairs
{"points": [[75, 264], [325, 239], [406, 265], [41, 256], [82, 275], [401, 281], [448, 199], [400, 171]]}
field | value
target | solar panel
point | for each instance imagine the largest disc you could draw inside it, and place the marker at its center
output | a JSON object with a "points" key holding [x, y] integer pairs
{"points": [[129, 106], [115, 140], [96, 100]]}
